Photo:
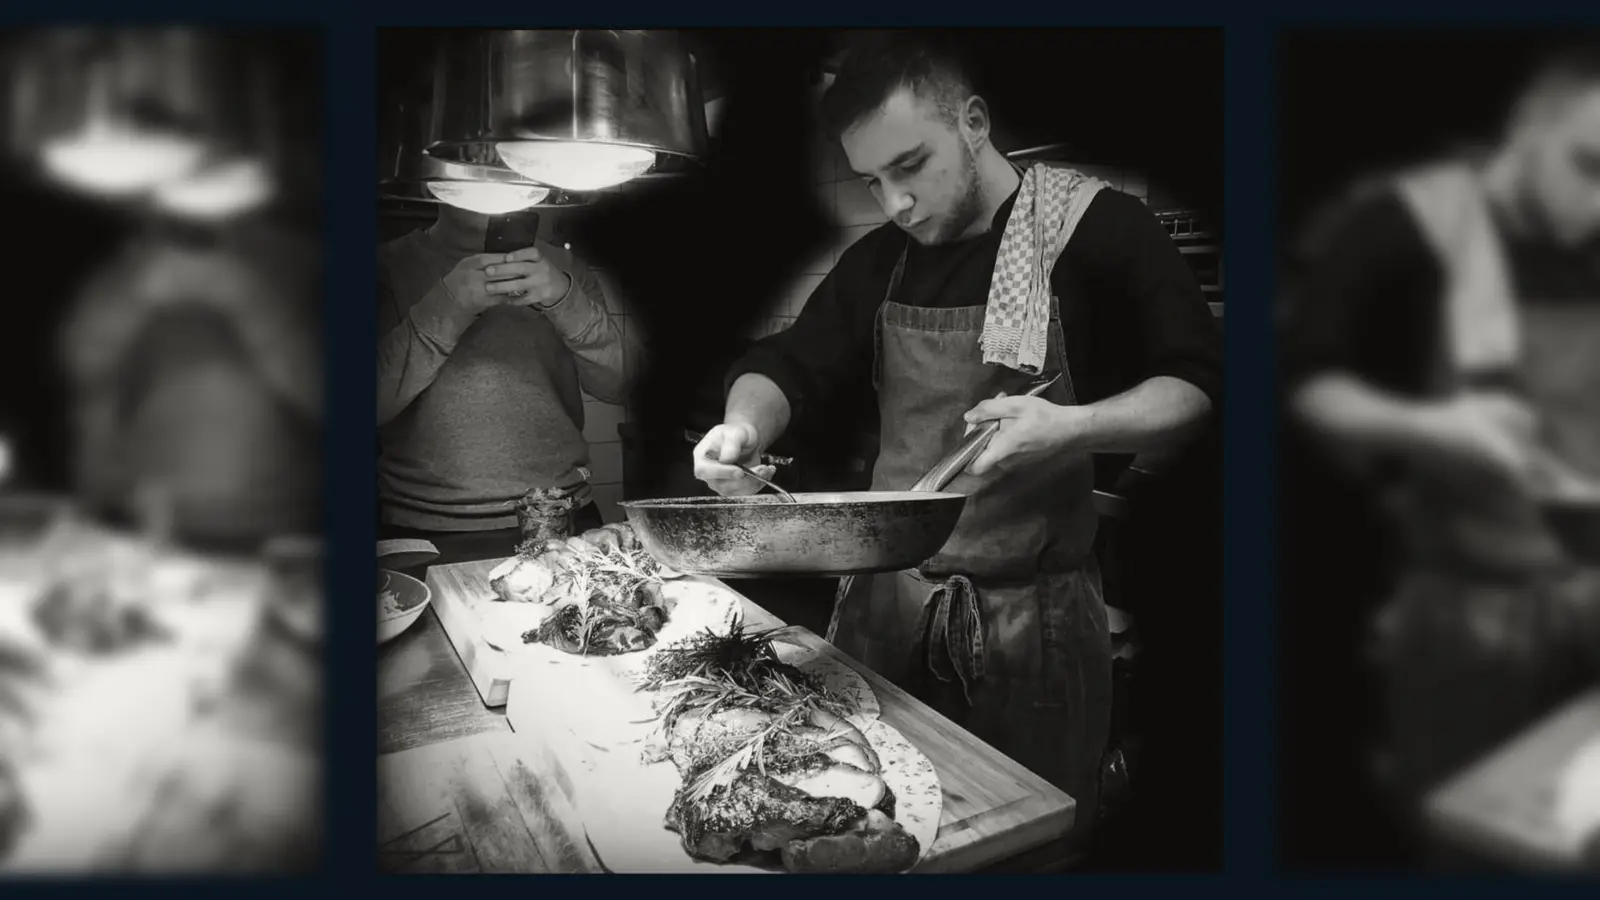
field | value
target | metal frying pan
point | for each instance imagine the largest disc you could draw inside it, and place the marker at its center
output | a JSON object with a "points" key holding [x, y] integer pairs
{"points": [[820, 534]]}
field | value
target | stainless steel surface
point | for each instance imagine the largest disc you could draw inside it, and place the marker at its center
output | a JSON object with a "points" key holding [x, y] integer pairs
{"points": [[405, 170], [819, 535], [945, 470], [1109, 505], [1043, 152], [631, 88], [178, 81]]}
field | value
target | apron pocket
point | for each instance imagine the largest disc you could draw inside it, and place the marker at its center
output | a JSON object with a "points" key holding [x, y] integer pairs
{"points": [[1075, 641]]}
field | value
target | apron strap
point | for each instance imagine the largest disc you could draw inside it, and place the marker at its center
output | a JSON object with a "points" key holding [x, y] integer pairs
{"points": [[895, 277], [952, 627]]}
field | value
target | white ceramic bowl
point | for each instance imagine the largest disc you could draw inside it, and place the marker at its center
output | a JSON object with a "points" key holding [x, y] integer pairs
{"points": [[413, 596]]}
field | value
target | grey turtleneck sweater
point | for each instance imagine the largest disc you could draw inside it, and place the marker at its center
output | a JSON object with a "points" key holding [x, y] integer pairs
{"points": [[475, 410]]}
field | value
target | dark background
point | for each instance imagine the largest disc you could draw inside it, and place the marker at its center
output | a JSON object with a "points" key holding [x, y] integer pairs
{"points": [[60, 241], [1353, 104]]}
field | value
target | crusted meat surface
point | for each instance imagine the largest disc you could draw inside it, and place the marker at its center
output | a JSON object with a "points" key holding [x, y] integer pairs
{"points": [[756, 810], [875, 845], [768, 812]]}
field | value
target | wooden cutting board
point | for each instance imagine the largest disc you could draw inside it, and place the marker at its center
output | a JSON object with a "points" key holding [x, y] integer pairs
{"points": [[993, 808], [455, 588], [486, 803]]}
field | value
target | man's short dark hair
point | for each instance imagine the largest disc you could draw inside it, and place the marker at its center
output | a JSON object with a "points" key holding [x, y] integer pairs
{"points": [[876, 64]]}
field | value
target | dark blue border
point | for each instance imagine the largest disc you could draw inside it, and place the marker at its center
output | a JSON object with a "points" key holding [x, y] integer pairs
{"points": [[1251, 688]]}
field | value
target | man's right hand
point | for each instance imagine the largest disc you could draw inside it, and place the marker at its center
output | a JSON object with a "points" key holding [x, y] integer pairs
{"points": [[734, 442], [468, 284]]}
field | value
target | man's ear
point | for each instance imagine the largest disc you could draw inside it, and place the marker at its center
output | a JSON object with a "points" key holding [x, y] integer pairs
{"points": [[975, 121]]}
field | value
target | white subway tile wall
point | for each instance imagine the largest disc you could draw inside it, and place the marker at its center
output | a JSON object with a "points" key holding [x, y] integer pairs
{"points": [[854, 212]]}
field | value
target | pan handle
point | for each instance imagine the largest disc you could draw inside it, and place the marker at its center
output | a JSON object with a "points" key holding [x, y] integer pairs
{"points": [[946, 470]]}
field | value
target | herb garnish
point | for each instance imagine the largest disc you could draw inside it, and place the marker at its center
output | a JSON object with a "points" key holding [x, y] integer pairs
{"points": [[741, 670]]}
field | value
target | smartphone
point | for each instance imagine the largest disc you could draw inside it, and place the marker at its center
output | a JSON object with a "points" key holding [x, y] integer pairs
{"points": [[511, 232]]}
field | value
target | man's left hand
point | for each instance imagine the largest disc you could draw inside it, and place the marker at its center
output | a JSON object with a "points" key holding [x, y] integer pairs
{"points": [[1031, 430], [526, 273]]}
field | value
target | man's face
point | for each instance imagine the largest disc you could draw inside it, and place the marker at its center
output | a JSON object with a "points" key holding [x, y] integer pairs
{"points": [[1563, 169], [921, 168]]}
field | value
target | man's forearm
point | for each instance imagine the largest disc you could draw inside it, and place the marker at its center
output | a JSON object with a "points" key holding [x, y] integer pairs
{"points": [[757, 401], [1362, 420], [1158, 413]]}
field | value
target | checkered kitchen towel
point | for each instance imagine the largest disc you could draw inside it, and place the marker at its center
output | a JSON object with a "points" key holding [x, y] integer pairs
{"points": [[1048, 207]]}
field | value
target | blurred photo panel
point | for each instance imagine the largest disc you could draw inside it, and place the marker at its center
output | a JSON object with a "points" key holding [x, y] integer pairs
{"points": [[1440, 456], [161, 414]]}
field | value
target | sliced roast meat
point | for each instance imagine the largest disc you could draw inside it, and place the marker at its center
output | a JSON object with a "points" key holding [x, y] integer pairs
{"points": [[874, 845], [699, 740], [757, 811], [602, 539], [834, 779], [519, 580]]}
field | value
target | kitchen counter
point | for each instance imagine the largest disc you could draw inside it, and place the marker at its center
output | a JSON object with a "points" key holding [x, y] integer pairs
{"points": [[459, 792]]}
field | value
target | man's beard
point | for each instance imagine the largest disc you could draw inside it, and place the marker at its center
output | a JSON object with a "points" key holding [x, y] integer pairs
{"points": [[967, 208]]}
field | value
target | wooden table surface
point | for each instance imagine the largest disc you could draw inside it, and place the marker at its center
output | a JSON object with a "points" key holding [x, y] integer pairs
{"points": [[1502, 808], [474, 796], [424, 695]]}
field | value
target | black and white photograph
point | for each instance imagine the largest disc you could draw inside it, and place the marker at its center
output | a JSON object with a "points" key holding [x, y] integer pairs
{"points": [[799, 450], [1439, 492], [161, 411]]}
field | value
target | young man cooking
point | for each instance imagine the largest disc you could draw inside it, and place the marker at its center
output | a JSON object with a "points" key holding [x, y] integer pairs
{"points": [[1441, 348], [481, 358], [938, 312]]}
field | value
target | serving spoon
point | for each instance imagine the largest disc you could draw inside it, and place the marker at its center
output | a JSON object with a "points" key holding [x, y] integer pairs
{"points": [[788, 497]]}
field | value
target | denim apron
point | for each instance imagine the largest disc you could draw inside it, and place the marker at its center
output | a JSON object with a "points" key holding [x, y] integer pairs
{"points": [[1004, 631]]}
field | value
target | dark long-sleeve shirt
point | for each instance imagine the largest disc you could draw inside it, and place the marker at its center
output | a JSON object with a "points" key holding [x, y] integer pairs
{"points": [[1131, 308]]}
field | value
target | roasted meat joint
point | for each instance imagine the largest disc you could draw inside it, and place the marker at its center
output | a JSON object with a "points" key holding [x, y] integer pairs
{"points": [[749, 531]]}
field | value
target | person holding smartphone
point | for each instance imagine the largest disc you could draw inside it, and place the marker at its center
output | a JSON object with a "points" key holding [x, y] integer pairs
{"points": [[483, 358]]}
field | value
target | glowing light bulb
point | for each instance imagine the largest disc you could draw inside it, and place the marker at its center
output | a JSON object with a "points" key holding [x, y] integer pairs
{"points": [[117, 161], [218, 193], [575, 165], [490, 198]]}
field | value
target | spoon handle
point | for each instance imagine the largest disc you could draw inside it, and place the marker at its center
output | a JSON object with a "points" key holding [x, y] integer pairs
{"points": [[781, 492]]}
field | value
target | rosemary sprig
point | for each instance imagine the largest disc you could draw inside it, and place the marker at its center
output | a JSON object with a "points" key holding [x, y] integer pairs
{"points": [[712, 672], [603, 583]]}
